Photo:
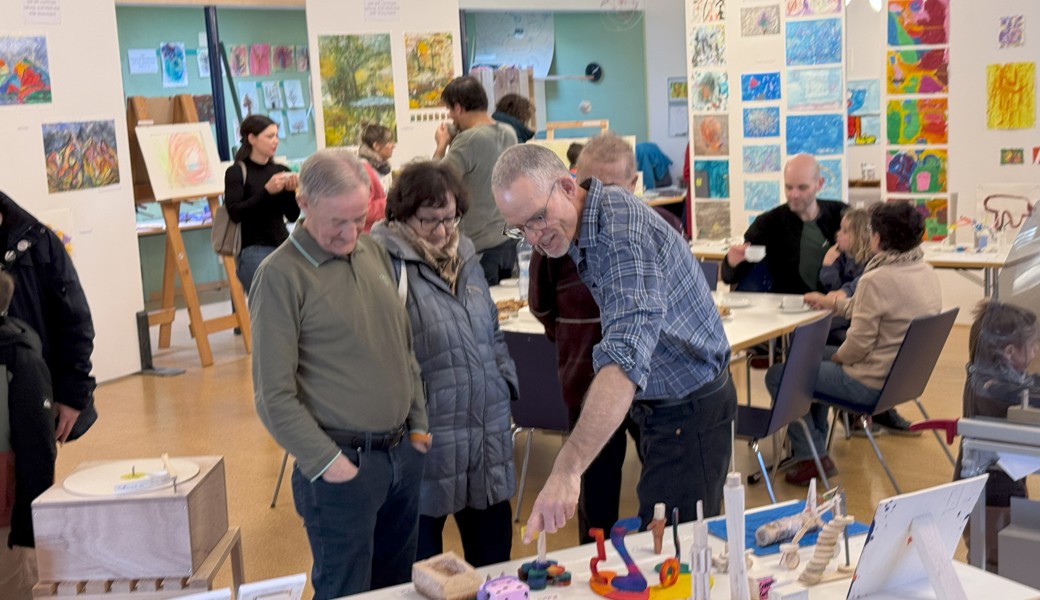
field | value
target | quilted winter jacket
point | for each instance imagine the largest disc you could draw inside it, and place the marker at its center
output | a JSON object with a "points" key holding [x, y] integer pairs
{"points": [[470, 381]]}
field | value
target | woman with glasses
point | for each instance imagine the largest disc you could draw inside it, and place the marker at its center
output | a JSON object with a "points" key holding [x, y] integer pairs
{"points": [[469, 377]]}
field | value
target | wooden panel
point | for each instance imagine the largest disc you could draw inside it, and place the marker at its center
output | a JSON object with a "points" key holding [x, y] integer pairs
{"points": [[209, 514]]}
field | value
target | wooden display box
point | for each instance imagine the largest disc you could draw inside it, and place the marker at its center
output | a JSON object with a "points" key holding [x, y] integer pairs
{"points": [[154, 535]]}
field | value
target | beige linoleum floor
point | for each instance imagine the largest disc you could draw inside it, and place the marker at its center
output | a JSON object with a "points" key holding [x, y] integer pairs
{"points": [[210, 411]]}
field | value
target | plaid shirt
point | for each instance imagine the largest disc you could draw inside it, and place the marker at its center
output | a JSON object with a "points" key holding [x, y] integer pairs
{"points": [[660, 324]]}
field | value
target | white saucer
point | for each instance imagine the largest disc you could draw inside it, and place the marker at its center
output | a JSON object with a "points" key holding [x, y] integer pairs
{"points": [[799, 309], [732, 303]]}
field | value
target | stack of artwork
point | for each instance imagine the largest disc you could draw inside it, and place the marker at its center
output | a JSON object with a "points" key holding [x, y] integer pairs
{"points": [[916, 109]]}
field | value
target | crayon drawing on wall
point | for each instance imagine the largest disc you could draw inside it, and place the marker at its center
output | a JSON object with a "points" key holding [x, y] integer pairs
{"points": [[918, 22], [298, 121], [711, 178], [808, 8], [863, 99], [1012, 156], [918, 71], [238, 59], [80, 155], [430, 61], [816, 134], [709, 91], [293, 90], [174, 64], [814, 42], [759, 86], [921, 121], [357, 85], [282, 58], [864, 130], [916, 171], [762, 122], [25, 76], [711, 135], [814, 89], [833, 180], [249, 98], [260, 59], [272, 95], [936, 216], [707, 10], [1006, 206], [1012, 31], [761, 195], [760, 20], [709, 46], [712, 219], [761, 159], [1011, 96], [303, 59]]}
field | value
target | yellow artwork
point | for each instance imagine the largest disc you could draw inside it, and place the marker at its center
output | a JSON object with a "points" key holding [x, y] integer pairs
{"points": [[1011, 96], [431, 66]]}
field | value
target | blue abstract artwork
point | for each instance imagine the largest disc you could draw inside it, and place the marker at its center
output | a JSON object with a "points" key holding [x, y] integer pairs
{"points": [[711, 178], [762, 159], [816, 134], [755, 87], [830, 170], [761, 195], [762, 122], [814, 89], [864, 97], [814, 42]]}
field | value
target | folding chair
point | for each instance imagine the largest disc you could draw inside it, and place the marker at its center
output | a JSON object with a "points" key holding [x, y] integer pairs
{"points": [[711, 273], [911, 370], [793, 399]]}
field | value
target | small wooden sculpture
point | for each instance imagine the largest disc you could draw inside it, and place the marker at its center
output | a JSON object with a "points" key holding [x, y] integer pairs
{"points": [[445, 577], [505, 587], [542, 572], [657, 526]]}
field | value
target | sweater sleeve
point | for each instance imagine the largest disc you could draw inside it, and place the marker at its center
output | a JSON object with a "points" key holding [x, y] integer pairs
{"points": [[238, 200], [541, 293]]}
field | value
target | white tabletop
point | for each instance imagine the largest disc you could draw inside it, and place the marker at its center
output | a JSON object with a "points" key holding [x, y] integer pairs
{"points": [[709, 249], [949, 259], [977, 583]]}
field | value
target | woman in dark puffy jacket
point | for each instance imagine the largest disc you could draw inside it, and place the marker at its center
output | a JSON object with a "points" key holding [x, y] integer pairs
{"points": [[469, 377]]}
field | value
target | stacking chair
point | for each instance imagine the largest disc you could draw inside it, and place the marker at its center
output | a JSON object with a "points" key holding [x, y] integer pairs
{"points": [[911, 370], [793, 399], [540, 405], [711, 273]]}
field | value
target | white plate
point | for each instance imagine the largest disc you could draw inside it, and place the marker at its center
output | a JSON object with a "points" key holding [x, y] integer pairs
{"points": [[797, 309], [735, 302]]}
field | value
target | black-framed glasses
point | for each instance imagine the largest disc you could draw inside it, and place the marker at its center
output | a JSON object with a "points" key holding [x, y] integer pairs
{"points": [[535, 223], [430, 225]]}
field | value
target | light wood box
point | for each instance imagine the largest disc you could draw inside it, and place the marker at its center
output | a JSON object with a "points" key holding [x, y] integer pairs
{"points": [[159, 534]]}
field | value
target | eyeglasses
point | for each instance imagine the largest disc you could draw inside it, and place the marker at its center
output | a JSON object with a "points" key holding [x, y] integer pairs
{"points": [[535, 223], [430, 225]]}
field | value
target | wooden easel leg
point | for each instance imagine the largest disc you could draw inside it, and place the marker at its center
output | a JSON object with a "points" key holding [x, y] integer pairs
{"points": [[168, 290], [171, 215]]}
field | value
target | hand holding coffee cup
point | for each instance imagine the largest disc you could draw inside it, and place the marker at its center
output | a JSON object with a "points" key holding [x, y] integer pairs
{"points": [[755, 253], [792, 303]]}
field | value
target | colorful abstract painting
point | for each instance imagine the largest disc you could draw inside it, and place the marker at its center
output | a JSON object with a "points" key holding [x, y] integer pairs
{"points": [[709, 91], [818, 135], [1012, 31], [80, 155], [283, 58], [711, 178], [833, 179], [921, 121], [204, 107], [711, 135], [918, 71], [303, 59], [260, 59], [293, 90], [1011, 96], [761, 195], [755, 87], [918, 22], [864, 130], [808, 8], [760, 20], [814, 89], [181, 160], [916, 171], [1012, 156], [864, 97], [25, 75], [712, 219], [708, 45], [238, 59], [761, 122], [814, 42], [430, 61], [704, 11], [762, 159], [174, 64], [357, 84], [936, 216]]}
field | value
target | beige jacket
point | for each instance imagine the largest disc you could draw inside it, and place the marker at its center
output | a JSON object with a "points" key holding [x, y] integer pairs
{"points": [[887, 298]]}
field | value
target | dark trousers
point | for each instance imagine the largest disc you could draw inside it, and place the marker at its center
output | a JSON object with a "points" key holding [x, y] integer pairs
{"points": [[498, 262], [686, 450], [248, 261], [600, 498], [362, 532], [487, 534]]}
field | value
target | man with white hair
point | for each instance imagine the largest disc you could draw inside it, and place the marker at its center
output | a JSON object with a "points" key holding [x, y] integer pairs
{"points": [[337, 385]]}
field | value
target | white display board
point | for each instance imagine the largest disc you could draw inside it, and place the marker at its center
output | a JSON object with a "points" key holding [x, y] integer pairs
{"points": [[83, 67]]}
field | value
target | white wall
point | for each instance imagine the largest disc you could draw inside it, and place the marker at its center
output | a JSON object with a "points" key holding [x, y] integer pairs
{"points": [[865, 59], [83, 56], [665, 57], [555, 5]]}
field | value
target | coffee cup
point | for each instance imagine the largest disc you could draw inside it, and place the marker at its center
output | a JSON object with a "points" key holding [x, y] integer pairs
{"points": [[755, 254], [792, 303]]}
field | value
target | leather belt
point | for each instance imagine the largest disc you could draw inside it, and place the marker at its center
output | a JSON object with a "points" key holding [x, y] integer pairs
{"points": [[367, 440]]}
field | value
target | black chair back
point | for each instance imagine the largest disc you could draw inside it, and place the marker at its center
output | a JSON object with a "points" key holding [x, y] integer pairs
{"points": [[915, 361], [710, 268], [794, 397], [541, 403]]}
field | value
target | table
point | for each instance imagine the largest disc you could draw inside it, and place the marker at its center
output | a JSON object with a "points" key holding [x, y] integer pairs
{"points": [[989, 263], [709, 249], [977, 583]]}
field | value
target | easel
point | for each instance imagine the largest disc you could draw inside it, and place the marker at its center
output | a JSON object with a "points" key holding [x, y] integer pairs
{"points": [[160, 111], [552, 126]]}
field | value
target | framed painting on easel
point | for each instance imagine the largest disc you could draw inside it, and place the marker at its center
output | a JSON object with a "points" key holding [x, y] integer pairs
{"points": [[181, 160]]}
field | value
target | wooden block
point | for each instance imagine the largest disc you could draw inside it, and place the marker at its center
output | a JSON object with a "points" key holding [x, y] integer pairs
{"points": [[121, 585], [69, 588], [95, 587], [44, 589], [446, 577], [154, 535]]}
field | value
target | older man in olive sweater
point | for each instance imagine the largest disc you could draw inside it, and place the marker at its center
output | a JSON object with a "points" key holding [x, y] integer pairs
{"points": [[336, 384]]}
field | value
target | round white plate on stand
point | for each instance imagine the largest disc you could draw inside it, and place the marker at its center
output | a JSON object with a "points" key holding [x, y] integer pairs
{"points": [[101, 480]]}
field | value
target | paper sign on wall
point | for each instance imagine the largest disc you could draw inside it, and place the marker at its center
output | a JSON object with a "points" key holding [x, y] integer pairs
{"points": [[142, 60], [46, 12], [382, 10]]}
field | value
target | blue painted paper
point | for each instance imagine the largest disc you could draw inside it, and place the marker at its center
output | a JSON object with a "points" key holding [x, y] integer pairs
{"points": [[762, 159], [814, 89], [756, 87], [864, 97], [762, 122], [816, 134], [831, 171], [752, 521], [761, 195], [711, 178], [814, 42]]}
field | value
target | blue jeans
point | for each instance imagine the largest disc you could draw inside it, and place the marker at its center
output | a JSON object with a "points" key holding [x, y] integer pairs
{"points": [[362, 532], [831, 381], [686, 450], [248, 261]]}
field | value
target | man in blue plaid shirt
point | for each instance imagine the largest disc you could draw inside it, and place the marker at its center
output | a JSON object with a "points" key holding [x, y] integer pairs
{"points": [[664, 356]]}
